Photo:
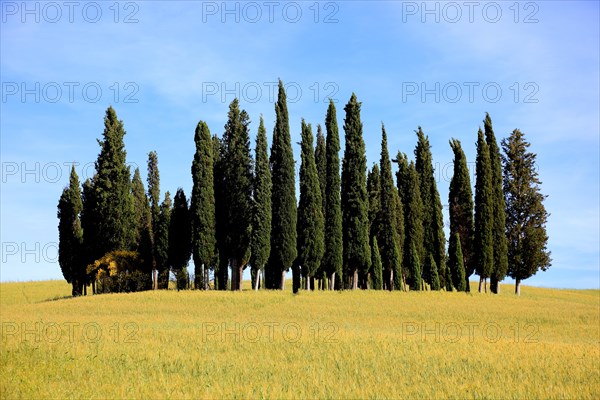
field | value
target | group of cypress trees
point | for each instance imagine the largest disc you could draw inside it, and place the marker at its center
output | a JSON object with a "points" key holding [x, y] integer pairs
{"points": [[352, 230]]}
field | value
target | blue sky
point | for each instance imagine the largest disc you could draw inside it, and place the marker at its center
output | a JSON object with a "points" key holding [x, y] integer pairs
{"points": [[166, 65]]}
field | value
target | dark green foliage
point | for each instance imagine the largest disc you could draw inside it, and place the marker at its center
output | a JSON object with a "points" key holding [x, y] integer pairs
{"points": [[447, 278], [70, 235], [355, 218], [283, 224], [456, 263], [202, 207], [161, 245], [430, 269], [321, 161], [399, 275], [434, 240], [460, 203], [112, 187], [261, 214], [332, 261], [237, 163], [180, 237], [499, 209], [374, 193], [142, 219], [310, 210], [376, 265], [484, 213], [391, 251], [153, 181], [526, 215], [221, 221], [410, 194], [414, 267]]}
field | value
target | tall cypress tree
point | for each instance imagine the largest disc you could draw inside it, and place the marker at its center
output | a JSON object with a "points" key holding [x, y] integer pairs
{"points": [[374, 193], [484, 215], [434, 241], [162, 242], [142, 219], [414, 266], [238, 191], [321, 161], [310, 211], [283, 199], [70, 235], [180, 239], [410, 194], [355, 218], [430, 269], [261, 212], [153, 181], [202, 207], [221, 217], [526, 215], [333, 258], [391, 251], [456, 261], [112, 186], [499, 209], [460, 203], [376, 265]]}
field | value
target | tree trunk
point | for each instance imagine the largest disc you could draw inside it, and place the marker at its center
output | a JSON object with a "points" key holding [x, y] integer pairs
{"points": [[234, 270], [468, 288], [206, 282], [332, 282], [518, 287], [494, 285], [480, 283], [355, 279], [485, 285], [154, 279], [282, 282], [256, 280], [391, 280]]}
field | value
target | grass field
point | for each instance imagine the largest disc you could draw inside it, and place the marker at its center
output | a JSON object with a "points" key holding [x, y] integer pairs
{"points": [[167, 344]]}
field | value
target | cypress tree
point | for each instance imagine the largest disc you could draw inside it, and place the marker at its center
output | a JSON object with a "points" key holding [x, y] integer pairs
{"points": [[391, 251], [283, 199], [355, 218], [142, 241], [202, 207], [112, 186], [89, 225], [499, 209], [238, 167], [526, 215], [376, 265], [434, 241], [460, 204], [70, 235], [321, 161], [484, 217], [456, 261], [180, 239], [162, 242], [153, 181], [310, 211], [333, 258], [399, 276], [414, 267], [221, 217], [261, 212], [374, 192], [430, 269], [410, 194]]}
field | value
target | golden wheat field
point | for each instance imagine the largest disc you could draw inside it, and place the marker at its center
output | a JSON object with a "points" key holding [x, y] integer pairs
{"points": [[363, 344]]}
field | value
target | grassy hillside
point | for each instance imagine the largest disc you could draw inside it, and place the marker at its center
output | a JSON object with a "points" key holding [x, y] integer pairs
{"points": [[545, 344]]}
